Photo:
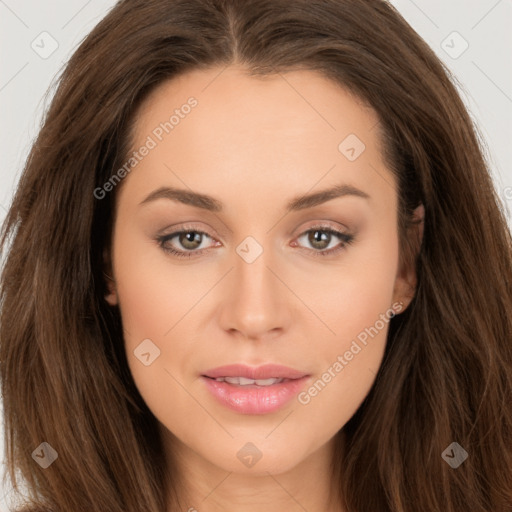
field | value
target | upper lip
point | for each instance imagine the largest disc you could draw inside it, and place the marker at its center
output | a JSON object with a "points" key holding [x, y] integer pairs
{"points": [[266, 371]]}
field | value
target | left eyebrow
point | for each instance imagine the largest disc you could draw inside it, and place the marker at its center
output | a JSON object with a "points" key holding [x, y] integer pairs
{"points": [[311, 200], [209, 203]]}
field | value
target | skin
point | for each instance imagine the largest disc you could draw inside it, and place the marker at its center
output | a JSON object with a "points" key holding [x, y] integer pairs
{"points": [[254, 144]]}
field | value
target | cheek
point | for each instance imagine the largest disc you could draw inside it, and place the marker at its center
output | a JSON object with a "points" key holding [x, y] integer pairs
{"points": [[358, 310], [153, 294], [155, 300], [356, 294], [152, 302]]}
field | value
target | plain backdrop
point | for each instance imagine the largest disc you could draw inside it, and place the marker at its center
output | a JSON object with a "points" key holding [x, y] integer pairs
{"points": [[37, 37]]}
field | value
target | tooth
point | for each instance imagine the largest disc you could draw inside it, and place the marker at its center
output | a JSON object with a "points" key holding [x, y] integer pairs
{"points": [[239, 381], [267, 382], [245, 382]]}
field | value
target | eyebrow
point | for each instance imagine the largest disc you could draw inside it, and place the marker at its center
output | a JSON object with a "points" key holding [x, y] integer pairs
{"points": [[209, 203]]}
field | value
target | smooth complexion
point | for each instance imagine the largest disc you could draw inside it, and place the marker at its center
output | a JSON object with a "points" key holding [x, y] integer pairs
{"points": [[255, 145]]}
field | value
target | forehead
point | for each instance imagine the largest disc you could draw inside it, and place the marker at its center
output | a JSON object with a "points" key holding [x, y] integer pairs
{"points": [[286, 103], [287, 130]]}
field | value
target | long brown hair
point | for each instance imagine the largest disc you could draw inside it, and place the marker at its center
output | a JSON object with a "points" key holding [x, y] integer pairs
{"points": [[447, 371]]}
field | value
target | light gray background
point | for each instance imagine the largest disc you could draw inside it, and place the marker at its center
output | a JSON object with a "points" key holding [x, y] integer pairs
{"points": [[483, 70]]}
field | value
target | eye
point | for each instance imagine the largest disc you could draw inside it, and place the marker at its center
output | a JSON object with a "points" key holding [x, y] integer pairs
{"points": [[190, 240], [320, 237]]}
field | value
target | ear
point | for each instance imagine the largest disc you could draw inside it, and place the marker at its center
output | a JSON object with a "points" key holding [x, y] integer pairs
{"points": [[111, 296], [406, 279]]}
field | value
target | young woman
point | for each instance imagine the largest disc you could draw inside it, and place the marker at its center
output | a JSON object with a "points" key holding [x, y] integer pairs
{"points": [[256, 262]]}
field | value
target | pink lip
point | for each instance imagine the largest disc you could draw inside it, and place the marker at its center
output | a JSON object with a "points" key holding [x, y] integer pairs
{"points": [[253, 399], [267, 371]]}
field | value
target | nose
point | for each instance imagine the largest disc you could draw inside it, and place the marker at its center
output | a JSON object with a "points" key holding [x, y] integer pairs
{"points": [[257, 301]]}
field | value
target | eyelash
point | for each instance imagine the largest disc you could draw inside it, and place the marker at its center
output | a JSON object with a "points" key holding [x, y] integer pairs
{"points": [[345, 238]]}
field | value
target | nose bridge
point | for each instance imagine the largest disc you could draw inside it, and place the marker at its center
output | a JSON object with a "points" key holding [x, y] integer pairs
{"points": [[255, 304]]}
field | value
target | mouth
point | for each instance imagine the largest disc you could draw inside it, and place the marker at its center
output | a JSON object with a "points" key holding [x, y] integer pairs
{"points": [[248, 390], [260, 374], [245, 382]]}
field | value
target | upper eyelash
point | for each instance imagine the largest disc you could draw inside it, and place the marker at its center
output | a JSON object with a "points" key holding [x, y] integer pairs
{"points": [[346, 238]]}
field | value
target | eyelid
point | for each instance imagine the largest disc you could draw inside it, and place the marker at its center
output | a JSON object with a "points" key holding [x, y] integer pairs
{"points": [[343, 234], [336, 226], [174, 230], [188, 226]]}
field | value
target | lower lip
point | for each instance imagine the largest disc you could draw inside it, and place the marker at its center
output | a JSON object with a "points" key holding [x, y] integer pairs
{"points": [[254, 399]]}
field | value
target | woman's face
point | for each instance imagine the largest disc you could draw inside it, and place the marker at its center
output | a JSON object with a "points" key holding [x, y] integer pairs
{"points": [[291, 258]]}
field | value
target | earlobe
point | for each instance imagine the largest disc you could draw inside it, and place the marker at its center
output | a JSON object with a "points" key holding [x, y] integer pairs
{"points": [[111, 296], [406, 279]]}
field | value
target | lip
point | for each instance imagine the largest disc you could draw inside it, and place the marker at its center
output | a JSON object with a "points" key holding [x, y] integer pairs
{"points": [[253, 399], [265, 371]]}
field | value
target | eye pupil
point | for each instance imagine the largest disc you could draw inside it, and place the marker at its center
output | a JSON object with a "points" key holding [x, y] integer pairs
{"points": [[190, 237], [318, 237]]}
